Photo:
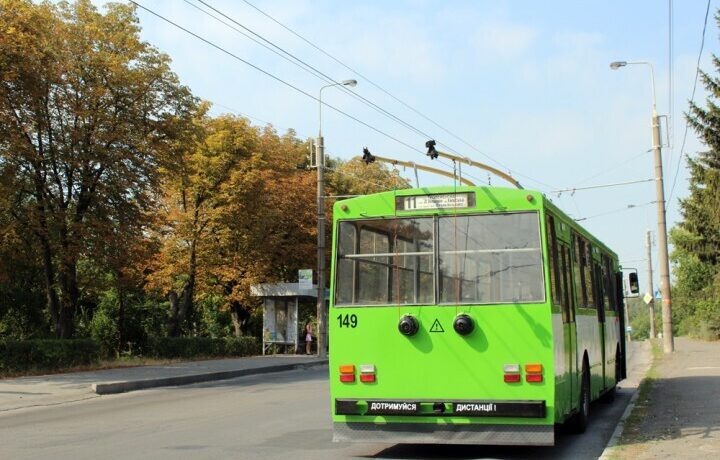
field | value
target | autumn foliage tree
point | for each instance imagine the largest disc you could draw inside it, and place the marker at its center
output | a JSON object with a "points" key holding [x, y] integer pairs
{"points": [[88, 114], [125, 207], [236, 211]]}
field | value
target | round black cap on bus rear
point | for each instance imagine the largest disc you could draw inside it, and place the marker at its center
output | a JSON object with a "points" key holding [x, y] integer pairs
{"points": [[463, 324], [408, 325]]}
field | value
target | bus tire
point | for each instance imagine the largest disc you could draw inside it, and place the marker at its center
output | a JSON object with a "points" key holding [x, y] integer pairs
{"points": [[580, 420]]}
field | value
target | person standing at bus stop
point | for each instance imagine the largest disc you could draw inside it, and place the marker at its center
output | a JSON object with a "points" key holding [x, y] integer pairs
{"points": [[308, 338]]}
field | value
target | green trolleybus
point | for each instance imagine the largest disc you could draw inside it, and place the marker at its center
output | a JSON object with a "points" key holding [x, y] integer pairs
{"points": [[473, 315]]}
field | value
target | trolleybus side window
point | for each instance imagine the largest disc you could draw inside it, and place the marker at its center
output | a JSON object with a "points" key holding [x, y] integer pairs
{"points": [[555, 285], [599, 288], [490, 258], [580, 297], [587, 262], [568, 310], [608, 284]]}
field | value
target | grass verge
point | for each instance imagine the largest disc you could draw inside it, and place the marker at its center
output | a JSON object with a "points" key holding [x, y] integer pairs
{"points": [[633, 438]]}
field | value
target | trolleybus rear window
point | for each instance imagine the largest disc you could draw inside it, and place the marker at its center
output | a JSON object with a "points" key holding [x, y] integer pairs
{"points": [[474, 259], [388, 261], [490, 258]]}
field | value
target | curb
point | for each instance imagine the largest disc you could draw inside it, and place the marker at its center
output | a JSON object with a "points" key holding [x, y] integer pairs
{"points": [[134, 385], [615, 438], [617, 433]]}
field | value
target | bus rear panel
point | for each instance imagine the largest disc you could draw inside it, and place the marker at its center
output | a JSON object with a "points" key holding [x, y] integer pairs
{"points": [[442, 328]]}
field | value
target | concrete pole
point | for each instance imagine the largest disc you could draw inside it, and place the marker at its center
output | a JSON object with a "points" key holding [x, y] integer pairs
{"points": [[320, 161], [321, 310], [664, 262], [651, 305]]}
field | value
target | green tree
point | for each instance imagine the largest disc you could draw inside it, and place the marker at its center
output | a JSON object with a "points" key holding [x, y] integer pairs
{"points": [[696, 240], [88, 115]]}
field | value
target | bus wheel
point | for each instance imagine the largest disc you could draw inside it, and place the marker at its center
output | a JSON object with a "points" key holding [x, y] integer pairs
{"points": [[580, 420]]}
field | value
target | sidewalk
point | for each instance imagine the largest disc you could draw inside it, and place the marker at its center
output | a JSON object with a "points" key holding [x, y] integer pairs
{"points": [[680, 416], [46, 390]]}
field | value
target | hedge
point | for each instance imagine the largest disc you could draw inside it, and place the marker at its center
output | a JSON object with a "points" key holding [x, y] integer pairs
{"points": [[46, 354], [54, 354], [193, 347]]}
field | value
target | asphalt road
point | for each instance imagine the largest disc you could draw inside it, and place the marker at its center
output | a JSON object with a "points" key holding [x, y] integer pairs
{"points": [[284, 415]]}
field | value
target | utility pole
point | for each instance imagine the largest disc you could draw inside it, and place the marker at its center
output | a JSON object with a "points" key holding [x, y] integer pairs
{"points": [[651, 304], [320, 164], [664, 262], [668, 342], [321, 310]]}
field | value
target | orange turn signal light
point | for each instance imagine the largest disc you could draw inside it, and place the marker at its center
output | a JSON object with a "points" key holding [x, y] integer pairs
{"points": [[347, 369], [533, 368]]}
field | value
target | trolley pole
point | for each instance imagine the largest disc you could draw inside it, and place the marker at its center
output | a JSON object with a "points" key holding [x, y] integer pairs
{"points": [[651, 304]]}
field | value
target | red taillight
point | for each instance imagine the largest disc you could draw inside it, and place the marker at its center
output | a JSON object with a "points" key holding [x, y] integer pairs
{"points": [[367, 373], [512, 373], [534, 377], [533, 373], [347, 373]]}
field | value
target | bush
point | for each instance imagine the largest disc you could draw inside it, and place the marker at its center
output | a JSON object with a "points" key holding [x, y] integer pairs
{"points": [[194, 347], [46, 354]]}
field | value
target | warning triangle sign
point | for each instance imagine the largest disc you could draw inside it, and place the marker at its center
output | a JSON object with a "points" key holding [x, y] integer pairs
{"points": [[436, 326]]}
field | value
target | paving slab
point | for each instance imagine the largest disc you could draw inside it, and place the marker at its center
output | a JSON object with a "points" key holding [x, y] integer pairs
{"points": [[48, 390], [681, 416]]}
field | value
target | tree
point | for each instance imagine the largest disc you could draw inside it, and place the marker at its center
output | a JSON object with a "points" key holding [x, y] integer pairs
{"points": [[195, 198], [270, 220], [697, 238], [355, 177], [88, 115]]}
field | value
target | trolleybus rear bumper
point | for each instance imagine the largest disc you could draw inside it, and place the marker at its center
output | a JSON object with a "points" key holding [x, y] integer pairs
{"points": [[431, 433], [447, 431]]}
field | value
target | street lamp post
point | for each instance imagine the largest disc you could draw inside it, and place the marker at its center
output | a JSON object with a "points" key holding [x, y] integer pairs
{"points": [[320, 164], [668, 343]]}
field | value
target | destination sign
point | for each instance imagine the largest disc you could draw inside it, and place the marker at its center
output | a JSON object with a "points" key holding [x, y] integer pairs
{"points": [[438, 201]]}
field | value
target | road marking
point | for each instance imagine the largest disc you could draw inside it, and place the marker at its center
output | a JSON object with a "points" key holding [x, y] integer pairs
{"points": [[702, 368]]}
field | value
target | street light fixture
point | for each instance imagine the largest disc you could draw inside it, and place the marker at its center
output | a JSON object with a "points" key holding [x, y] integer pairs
{"points": [[320, 164], [668, 344]]}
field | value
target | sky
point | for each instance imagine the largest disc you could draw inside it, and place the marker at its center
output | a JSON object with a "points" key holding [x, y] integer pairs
{"points": [[524, 86]]}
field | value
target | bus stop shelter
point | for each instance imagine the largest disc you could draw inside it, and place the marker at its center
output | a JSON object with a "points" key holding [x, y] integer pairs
{"points": [[280, 312]]}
